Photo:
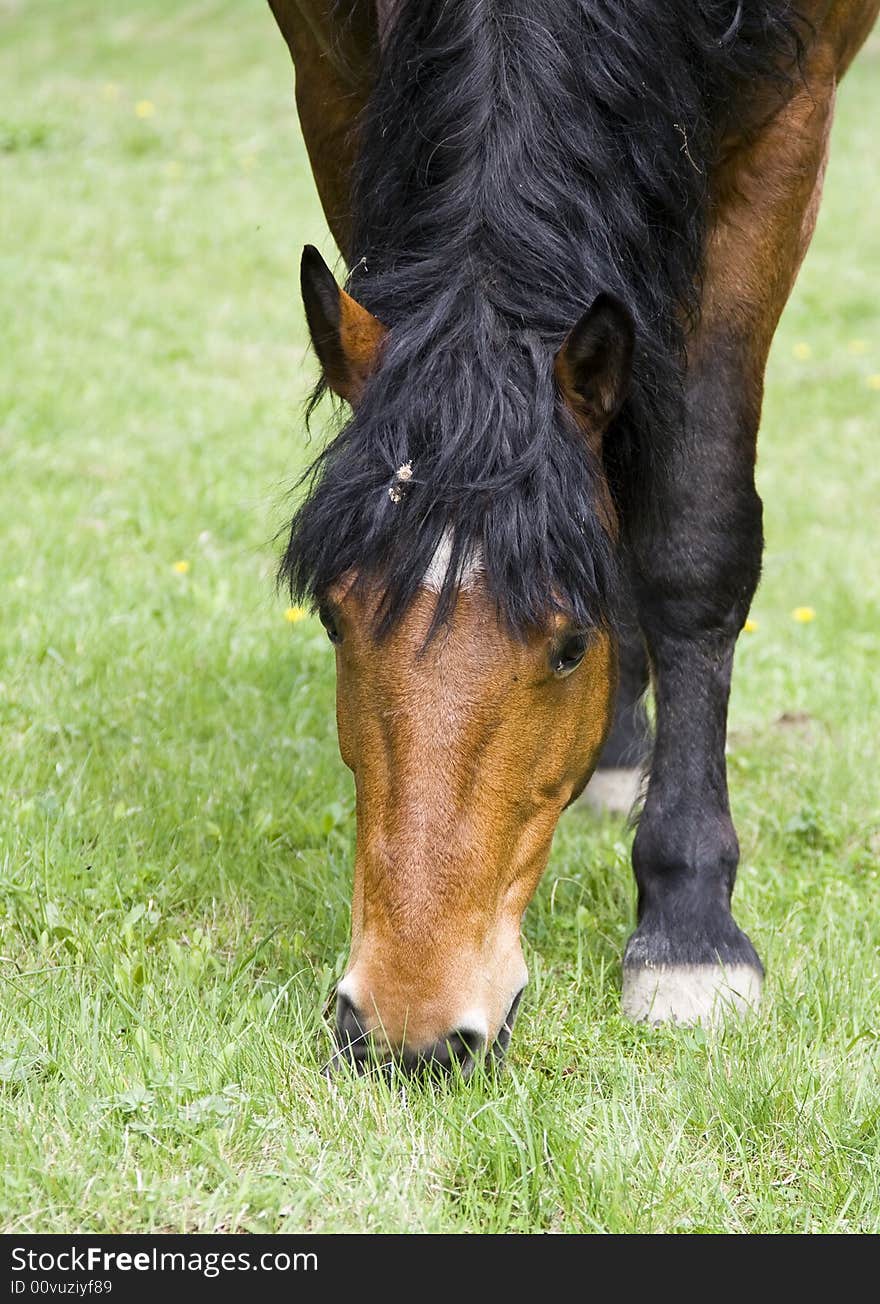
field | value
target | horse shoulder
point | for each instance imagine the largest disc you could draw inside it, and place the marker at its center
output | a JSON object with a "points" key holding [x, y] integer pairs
{"points": [[766, 193], [334, 64]]}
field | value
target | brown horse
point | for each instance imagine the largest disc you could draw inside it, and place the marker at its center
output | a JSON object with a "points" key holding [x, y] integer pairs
{"points": [[536, 499]]}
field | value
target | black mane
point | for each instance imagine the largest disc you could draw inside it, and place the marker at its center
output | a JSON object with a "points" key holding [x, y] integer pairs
{"points": [[517, 157]]}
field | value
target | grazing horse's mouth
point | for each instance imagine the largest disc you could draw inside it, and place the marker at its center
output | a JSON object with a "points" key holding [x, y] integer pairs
{"points": [[460, 1052]]}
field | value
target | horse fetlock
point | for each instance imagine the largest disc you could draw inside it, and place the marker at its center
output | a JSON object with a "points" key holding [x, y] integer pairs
{"points": [[690, 854]]}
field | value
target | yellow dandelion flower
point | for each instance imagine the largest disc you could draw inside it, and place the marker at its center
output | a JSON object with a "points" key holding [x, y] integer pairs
{"points": [[858, 346], [803, 615], [181, 567], [750, 626], [145, 109], [874, 381], [293, 614], [802, 351]]}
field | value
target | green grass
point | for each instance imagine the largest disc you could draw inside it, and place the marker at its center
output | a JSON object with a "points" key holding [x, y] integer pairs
{"points": [[177, 826]]}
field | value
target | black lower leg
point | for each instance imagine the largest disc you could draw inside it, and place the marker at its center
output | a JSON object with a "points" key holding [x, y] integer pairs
{"points": [[694, 583], [686, 852], [629, 743]]}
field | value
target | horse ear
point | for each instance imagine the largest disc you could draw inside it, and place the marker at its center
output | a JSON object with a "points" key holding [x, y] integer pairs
{"points": [[345, 335], [593, 366]]}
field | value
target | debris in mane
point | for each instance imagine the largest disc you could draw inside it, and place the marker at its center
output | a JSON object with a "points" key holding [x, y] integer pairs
{"points": [[517, 157]]}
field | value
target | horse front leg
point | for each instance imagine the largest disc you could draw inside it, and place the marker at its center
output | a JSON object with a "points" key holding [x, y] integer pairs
{"points": [[695, 573], [688, 960], [617, 781]]}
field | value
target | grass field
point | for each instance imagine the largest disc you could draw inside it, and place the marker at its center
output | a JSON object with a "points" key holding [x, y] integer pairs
{"points": [[177, 826]]}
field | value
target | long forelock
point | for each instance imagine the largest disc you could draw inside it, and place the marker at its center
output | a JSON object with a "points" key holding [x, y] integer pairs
{"points": [[518, 157], [496, 470]]}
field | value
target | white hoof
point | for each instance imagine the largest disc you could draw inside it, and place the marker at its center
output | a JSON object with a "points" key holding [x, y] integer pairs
{"points": [[689, 993], [613, 792]]}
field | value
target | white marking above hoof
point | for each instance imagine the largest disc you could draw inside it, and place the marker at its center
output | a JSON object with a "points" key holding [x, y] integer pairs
{"points": [[690, 993], [613, 792]]}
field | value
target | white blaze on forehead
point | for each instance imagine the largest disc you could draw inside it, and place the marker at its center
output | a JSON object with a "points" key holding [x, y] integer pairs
{"points": [[438, 566]]}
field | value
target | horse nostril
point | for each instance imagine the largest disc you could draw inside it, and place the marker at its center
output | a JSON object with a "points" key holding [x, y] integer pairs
{"points": [[351, 1034], [502, 1041], [468, 1042], [461, 1047]]}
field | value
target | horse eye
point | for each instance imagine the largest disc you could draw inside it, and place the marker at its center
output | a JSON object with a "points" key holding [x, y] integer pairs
{"points": [[326, 618], [568, 655]]}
